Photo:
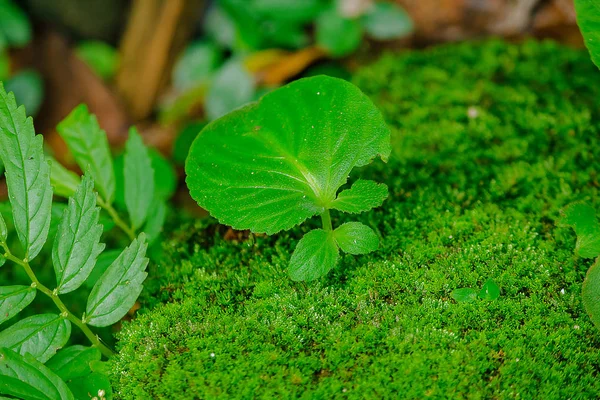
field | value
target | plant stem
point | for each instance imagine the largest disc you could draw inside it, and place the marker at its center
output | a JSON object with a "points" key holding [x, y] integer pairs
{"points": [[58, 302], [115, 217], [326, 218]]}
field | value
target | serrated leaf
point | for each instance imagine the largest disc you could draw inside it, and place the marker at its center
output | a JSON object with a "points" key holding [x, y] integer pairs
{"points": [[74, 361], [14, 24], [93, 384], [156, 220], [272, 164], [489, 290], [591, 293], [231, 88], [464, 295], [338, 35], [361, 197], [101, 57], [26, 378], [315, 254], [104, 261], [588, 19], [39, 335], [385, 21], [63, 181], [118, 288], [27, 175], [356, 238], [138, 177], [89, 145], [13, 299], [77, 245], [582, 218]]}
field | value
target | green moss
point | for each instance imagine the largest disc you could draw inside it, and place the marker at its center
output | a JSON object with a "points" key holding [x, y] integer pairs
{"points": [[472, 197]]}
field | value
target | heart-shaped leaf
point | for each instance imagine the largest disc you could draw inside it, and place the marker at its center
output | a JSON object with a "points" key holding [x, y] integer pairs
{"points": [[361, 197], [591, 293], [39, 335], [356, 238], [489, 290], [315, 254], [13, 299], [582, 218], [272, 164], [27, 378]]}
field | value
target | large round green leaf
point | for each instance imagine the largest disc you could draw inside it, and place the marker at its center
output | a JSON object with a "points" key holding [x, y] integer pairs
{"points": [[588, 19], [272, 164], [591, 293]]}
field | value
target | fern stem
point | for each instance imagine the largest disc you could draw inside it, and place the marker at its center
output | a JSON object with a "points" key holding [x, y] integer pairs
{"points": [[116, 218], [65, 313]]}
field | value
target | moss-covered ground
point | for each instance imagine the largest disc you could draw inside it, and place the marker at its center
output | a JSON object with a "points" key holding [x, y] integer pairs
{"points": [[490, 141]]}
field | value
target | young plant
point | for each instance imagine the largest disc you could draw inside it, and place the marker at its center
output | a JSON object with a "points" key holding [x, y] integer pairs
{"points": [[31, 364], [582, 218], [489, 291], [271, 165]]}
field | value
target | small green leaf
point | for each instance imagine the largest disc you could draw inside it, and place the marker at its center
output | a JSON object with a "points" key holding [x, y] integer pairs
{"points": [[118, 288], [231, 88], [138, 178], [582, 218], [14, 24], [591, 293], [28, 88], [27, 378], [464, 295], [489, 290], [77, 244], [356, 238], [3, 230], [39, 335], [361, 197], [272, 164], [198, 62], [63, 181], [89, 146], [315, 254], [74, 361], [385, 21], [165, 177], [156, 220], [101, 57], [94, 384], [27, 175], [588, 19], [338, 35], [13, 299]]}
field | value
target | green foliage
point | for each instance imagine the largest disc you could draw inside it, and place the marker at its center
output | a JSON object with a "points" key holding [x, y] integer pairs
{"points": [[27, 378], [101, 57], [339, 35], [138, 178], [356, 238], [196, 65], [15, 29], [489, 291], [588, 19], [384, 21], [76, 230], [28, 88], [89, 146], [471, 197], [591, 293], [27, 175], [273, 164], [232, 87]]}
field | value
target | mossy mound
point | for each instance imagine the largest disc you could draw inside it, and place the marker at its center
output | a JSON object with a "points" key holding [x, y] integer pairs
{"points": [[490, 140]]}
